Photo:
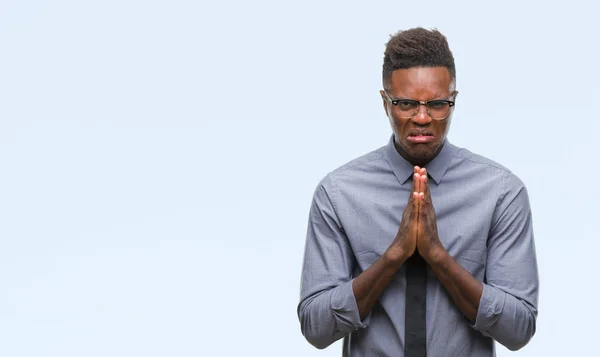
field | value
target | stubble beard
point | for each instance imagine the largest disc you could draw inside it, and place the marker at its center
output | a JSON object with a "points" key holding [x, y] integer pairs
{"points": [[419, 154]]}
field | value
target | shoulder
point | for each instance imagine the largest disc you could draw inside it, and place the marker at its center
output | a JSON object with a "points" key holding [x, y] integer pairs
{"points": [[353, 170], [353, 178], [372, 159], [466, 159], [483, 169]]}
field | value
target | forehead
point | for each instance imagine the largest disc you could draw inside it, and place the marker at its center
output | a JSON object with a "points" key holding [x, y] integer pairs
{"points": [[421, 82]]}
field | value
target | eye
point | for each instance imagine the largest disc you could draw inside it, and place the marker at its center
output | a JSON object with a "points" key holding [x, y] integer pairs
{"points": [[438, 104], [406, 104]]}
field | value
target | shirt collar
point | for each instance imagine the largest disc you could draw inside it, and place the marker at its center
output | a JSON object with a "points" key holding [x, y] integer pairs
{"points": [[404, 169]]}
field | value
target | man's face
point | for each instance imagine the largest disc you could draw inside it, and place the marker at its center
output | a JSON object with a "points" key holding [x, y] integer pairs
{"points": [[418, 138]]}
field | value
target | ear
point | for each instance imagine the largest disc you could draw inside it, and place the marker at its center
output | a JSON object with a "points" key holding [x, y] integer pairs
{"points": [[385, 102]]}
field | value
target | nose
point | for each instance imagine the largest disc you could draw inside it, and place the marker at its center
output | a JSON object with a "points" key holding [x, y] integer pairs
{"points": [[421, 117]]}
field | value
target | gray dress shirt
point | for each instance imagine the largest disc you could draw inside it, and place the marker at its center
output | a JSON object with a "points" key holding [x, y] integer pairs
{"points": [[484, 222]]}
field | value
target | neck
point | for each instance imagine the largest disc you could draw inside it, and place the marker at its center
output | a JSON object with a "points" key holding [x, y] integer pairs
{"points": [[418, 161]]}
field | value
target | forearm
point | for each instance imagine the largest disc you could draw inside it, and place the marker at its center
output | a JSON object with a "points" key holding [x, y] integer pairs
{"points": [[371, 283], [331, 314], [508, 306], [464, 290], [497, 314], [506, 318], [327, 309]]}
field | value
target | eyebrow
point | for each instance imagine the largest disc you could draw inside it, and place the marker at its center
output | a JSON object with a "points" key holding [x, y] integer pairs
{"points": [[402, 98], [437, 97]]}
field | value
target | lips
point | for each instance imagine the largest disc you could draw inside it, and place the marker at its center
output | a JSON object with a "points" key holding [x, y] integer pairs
{"points": [[420, 136], [416, 132]]}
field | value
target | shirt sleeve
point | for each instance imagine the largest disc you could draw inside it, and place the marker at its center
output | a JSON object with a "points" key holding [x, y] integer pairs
{"points": [[508, 306], [327, 310]]}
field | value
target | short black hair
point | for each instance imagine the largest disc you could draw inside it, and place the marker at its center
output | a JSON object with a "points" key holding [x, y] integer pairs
{"points": [[417, 47]]}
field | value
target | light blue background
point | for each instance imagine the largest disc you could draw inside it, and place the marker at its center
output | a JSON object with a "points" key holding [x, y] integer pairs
{"points": [[158, 158]]}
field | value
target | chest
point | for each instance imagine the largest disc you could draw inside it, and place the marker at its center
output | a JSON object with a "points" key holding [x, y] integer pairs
{"points": [[463, 214]]}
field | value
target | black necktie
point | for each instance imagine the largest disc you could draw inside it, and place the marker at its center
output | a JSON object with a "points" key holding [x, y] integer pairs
{"points": [[415, 344]]}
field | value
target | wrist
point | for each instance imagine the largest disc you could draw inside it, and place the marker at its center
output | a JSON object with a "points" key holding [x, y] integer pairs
{"points": [[394, 258], [436, 256]]}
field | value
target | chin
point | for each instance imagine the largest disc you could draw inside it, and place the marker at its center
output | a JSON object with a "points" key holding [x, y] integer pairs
{"points": [[421, 152]]}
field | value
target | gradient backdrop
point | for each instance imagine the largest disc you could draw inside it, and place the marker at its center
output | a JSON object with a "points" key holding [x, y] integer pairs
{"points": [[158, 158]]}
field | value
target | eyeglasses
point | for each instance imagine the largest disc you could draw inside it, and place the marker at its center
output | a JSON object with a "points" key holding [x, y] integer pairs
{"points": [[437, 109]]}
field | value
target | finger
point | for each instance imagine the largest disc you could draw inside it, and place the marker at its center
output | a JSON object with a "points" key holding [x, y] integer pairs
{"points": [[426, 203], [425, 188], [414, 220], [413, 189], [422, 207], [419, 191], [414, 213], [422, 173], [419, 220], [416, 172]]}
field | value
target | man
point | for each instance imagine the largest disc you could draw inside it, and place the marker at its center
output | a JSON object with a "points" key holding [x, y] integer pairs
{"points": [[419, 248]]}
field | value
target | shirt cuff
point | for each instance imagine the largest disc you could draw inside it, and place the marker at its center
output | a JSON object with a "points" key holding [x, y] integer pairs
{"points": [[491, 305], [345, 309]]}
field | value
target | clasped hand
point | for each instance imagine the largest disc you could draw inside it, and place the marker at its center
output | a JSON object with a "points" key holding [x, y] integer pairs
{"points": [[418, 227]]}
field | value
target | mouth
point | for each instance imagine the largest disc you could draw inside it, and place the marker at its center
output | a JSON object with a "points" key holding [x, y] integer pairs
{"points": [[420, 137]]}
